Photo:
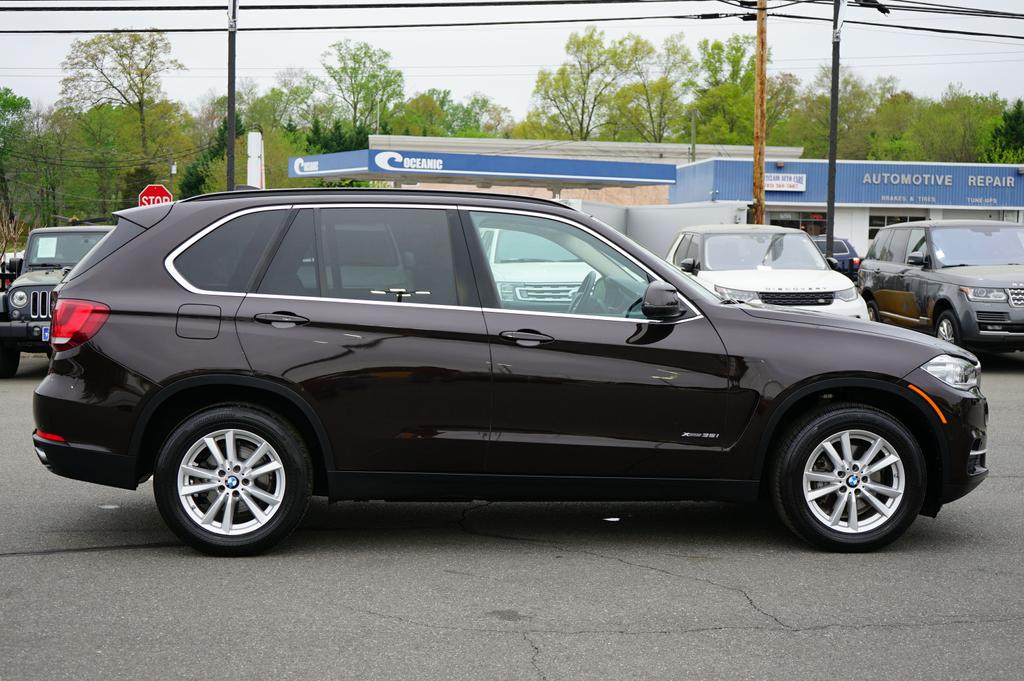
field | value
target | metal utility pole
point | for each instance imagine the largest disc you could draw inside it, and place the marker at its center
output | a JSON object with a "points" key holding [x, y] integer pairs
{"points": [[760, 110], [838, 12], [232, 34]]}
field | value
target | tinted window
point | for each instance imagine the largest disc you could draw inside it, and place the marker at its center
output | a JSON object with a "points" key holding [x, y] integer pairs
{"points": [[226, 258], [838, 247], [293, 271], [917, 243], [897, 247], [388, 254], [879, 244], [682, 249], [543, 279]]}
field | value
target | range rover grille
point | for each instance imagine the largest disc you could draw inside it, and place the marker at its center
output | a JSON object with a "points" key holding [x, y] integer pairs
{"points": [[1016, 297], [546, 293], [797, 297]]}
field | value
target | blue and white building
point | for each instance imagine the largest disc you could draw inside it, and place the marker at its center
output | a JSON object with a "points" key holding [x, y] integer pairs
{"points": [[651, 191]]}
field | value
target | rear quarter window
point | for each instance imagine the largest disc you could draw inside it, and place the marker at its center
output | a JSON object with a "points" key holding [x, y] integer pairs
{"points": [[226, 258]]}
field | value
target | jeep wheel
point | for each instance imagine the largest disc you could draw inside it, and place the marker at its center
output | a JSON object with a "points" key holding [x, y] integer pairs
{"points": [[848, 477], [233, 480], [10, 358]]}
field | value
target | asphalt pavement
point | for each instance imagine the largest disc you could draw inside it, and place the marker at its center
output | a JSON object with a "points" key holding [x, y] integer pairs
{"points": [[92, 585]]}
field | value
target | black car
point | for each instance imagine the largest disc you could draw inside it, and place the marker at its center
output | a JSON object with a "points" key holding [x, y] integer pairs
{"points": [[251, 349], [962, 281], [844, 252], [25, 305]]}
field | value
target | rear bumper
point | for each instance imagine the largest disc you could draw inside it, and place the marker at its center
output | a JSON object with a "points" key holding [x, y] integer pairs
{"points": [[82, 462]]}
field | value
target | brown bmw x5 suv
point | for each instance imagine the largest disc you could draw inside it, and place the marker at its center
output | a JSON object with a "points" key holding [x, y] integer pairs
{"points": [[248, 350]]}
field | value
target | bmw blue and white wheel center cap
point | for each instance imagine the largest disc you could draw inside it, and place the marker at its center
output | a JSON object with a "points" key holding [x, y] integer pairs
{"points": [[853, 481], [231, 482]]}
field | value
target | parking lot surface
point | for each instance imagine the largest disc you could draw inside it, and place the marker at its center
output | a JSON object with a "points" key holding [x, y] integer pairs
{"points": [[92, 585]]}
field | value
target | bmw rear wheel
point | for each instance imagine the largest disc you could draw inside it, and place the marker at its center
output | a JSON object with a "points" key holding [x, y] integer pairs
{"points": [[849, 478], [233, 480]]}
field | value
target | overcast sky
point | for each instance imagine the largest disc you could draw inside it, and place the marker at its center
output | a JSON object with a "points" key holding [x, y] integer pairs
{"points": [[502, 61]]}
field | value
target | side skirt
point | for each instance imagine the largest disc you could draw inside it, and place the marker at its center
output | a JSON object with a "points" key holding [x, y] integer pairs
{"points": [[390, 486]]}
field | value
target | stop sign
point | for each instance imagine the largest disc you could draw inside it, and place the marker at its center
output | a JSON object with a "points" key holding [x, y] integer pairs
{"points": [[154, 194]]}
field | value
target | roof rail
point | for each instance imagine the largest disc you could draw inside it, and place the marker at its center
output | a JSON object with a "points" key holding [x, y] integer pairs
{"points": [[319, 191]]}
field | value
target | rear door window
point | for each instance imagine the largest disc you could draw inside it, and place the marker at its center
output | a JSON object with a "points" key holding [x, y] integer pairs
{"points": [[226, 258], [388, 255], [293, 270]]}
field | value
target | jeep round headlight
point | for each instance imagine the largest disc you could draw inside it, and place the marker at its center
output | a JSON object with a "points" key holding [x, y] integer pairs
{"points": [[954, 371], [847, 294], [19, 298]]}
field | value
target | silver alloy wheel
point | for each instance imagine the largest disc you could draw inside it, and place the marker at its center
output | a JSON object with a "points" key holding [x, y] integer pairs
{"points": [[231, 482], [871, 314], [854, 481], [945, 331]]}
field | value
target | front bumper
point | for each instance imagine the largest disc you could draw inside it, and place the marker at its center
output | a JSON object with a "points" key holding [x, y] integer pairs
{"points": [[855, 309], [23, 334], [83, 462], [964, 461], [993, 326]]}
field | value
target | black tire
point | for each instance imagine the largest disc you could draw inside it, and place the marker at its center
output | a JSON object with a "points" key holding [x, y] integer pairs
{"points": [[10, 358], [297, 476], [873, 312], [799, 444], [949, 317]]}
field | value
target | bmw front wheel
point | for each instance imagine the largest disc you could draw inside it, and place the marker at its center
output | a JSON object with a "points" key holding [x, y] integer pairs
{"points": [[849, 478]]}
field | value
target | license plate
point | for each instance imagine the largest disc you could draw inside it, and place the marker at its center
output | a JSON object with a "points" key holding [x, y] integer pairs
{"points": [[46, 334]]}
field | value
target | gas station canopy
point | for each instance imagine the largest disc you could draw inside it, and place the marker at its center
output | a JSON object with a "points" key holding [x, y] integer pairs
{"points": [[412, 167]]}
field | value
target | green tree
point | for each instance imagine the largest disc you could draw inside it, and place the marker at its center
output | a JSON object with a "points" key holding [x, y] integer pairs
{"points": [[365, 85], [957, 128], [118, 68], [575, 98], [652, 104], [14, 111], [1007, 141], [724, 85]]}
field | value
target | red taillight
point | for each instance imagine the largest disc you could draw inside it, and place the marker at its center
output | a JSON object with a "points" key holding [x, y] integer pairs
{"points": [[75, 322], [856, 262], [49, 436]]}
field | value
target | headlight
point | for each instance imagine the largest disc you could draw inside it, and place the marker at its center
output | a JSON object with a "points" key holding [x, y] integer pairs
{"points": [[847, 294], [19, 298], [507, 291], [984, 295], [736, 294], [954, 371]]}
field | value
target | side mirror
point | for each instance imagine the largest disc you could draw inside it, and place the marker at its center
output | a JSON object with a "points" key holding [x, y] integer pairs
{"points": [[688, 265], [917, 259], [661, 301], [834, 264]]}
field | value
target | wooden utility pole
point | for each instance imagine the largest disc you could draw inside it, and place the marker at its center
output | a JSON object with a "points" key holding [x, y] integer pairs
{"points": [[760, 110], [231, 132]]}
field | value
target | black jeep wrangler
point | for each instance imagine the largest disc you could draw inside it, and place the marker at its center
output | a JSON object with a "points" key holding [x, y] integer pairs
{"points": [[25, 305]]}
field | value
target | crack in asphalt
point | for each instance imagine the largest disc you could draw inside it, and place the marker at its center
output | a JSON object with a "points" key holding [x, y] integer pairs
{"points": [[92, 549], [533, 658], [735, 589]]}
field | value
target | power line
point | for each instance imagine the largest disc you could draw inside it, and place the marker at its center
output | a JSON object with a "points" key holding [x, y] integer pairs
{"points": [[461, 24], [431, 4], [907, 27]]}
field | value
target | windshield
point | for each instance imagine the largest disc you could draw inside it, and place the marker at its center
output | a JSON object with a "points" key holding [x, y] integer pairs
{"points": [[525, 247], [63, 249], [982, 245], [754, 251]]}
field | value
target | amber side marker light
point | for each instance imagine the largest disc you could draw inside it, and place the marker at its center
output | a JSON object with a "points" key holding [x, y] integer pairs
{"points": [[942, 417]]}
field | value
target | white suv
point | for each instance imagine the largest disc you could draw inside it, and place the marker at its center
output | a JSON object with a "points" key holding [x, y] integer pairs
{"points": [[773, 265]]}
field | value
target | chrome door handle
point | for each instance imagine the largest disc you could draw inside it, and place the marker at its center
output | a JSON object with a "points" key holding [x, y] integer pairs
{"points": [[526, 338], [281, 320]]}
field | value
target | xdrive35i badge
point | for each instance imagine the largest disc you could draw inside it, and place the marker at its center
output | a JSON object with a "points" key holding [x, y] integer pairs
{"points": [[702, 436]]}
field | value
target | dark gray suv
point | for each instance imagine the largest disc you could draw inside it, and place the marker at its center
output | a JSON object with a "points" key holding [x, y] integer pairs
{"points": [[962, 281]]}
